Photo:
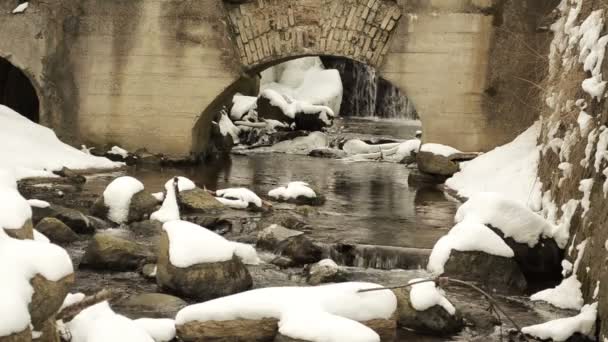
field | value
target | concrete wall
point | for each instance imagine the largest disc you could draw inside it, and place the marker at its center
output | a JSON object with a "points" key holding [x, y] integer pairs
{"points": [[139, 73]]}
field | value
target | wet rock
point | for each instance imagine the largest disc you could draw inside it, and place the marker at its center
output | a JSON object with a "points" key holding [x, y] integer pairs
{"points": [[24, 336], [381, 257], [23, 233], [199, 200], [420, 179], [491, 271], [240, 330], [108, 252], [47, 298], [287, 219], [146, 158], [201, 281], [283, 262], [149, 271], [273, 235], [77, 221], [541, 263], [300, 249], [71, 175], [150, 305], [56, 231], [310, 121], [436, 164], [142, 205], [325, 271], [328, 152], [146, 227], [435, 320], [218, 143]]}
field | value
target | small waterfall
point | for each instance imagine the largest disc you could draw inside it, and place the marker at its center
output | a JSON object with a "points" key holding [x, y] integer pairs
{"points": [[366, 94], [380, 257]]}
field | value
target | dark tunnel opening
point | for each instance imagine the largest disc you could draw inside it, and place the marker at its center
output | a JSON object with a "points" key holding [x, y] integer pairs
{"points": [[17, 92]]}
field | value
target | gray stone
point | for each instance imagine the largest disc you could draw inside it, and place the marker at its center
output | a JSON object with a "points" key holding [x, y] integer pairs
{"points": [[300, 249], [149, 271], [150, 305], [273, 235], [436, 164], [108, 252], [56, 230], [328, 152], [325, 271], [77, 221], [199, 200]]}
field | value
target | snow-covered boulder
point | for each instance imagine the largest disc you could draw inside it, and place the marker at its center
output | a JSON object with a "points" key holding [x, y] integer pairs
{"points": [[332, 313], [324, 271], [56, 231], [272, 105], [424, 308], [239, 198], [437, 159], [109, 252], [300, 193], [124, 200], [198, 263]]}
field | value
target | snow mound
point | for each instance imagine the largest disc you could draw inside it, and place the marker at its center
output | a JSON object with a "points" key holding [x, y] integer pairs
{"points": [[497, 170], [466, 237], [326, 313], [293, 190], [20, 261], [117, 197], [99, 323], [161, 330], [191, 244], [424, 296], [238, 198], [169, 210], [29, 149], [14, 209], [561, 329], [512, 218], [438, 149]]}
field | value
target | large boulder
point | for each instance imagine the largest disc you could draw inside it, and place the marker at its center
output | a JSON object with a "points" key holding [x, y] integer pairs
{"points": [[240, 330], [301, 250], [56, 231], [199, 200], [108, 252], [150, 305], [201, 281], [436, 164], [270, 237], [435, 320], [142, 205], [491, 271], [47, 298]]}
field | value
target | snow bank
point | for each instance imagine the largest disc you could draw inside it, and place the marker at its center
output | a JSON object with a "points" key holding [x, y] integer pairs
{"points": [[14, 209], [293, 190], [20, 261], [191, 244], [438, 149], [117, 197], [424, 296], [99, 323], [323, 313], [161, 330], [466, 237], [38, 236], [29, 149], [512, 218], [238, 198], [510, 169], [561, 329]]}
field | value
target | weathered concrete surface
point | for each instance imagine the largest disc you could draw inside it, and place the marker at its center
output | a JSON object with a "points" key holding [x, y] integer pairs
{"points": [[125, 71]]}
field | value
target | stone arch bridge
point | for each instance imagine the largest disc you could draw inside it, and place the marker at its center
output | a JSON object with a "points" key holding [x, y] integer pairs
{"points": [[139, 73]]}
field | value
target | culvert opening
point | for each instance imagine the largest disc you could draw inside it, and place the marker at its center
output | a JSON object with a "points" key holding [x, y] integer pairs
{"points": [[17, 92]]}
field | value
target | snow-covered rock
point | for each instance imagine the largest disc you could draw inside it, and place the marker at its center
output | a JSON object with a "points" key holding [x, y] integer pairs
{"points": [[117, 197], [169, 211], [200, 264], [324, 271], [239, 198], [561, 329], [325, 313], [296, 192]]}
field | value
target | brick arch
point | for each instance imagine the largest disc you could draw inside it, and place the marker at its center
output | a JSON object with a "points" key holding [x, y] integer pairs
{"points": [[269, 31]]}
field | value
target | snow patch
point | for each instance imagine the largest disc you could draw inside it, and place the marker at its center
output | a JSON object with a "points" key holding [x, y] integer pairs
{"points": [[438, 149], [293, 190], [561, 329], [424, 296], [238, 198]]}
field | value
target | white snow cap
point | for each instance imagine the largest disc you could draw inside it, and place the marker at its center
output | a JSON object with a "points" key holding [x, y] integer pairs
{"points": [[20, 261], [326, 313], [425, 295], [238, 198], [463, 237], [29, 149], [191, 244], [98, 323], [36, 203], [169, 211], [512, 218], [116, 150], [438, 149], [561, 329], [117, 197], [293, 190]]}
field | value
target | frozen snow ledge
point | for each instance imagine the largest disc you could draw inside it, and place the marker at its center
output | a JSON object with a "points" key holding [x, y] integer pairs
{"points": [[331, 313], [561, 329]]}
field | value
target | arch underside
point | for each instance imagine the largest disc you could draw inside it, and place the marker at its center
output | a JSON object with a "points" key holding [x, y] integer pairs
{"points": [[17, 91]]}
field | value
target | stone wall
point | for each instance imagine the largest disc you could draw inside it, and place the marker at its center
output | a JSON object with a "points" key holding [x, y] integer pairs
{"points": [[268, 31]]}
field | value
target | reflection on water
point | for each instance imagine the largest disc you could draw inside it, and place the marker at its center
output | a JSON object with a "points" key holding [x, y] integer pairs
{"points": [[367, 203]]}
